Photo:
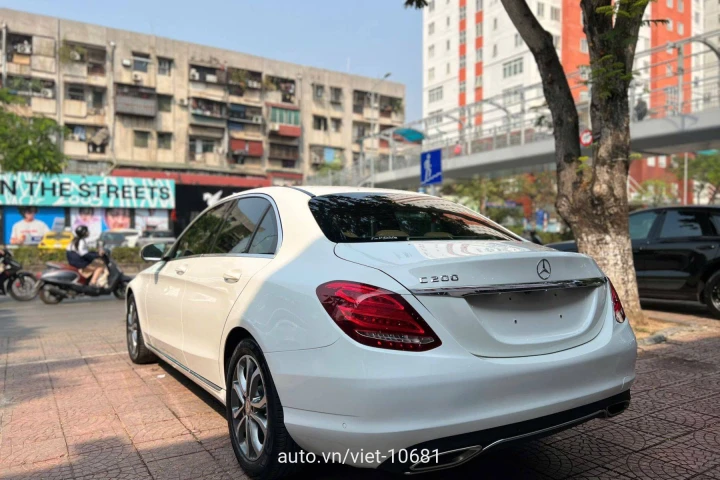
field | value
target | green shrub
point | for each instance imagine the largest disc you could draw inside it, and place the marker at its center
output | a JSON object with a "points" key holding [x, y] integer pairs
{"points": [[127, 256], [33, 256]]}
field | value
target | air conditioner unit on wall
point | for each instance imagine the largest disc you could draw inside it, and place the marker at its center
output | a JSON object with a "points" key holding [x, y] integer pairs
{"points": [[274, 127], [211, 78], [253, 84], [137, 78], [194, 74], [23, 48], [46, 92], [127, 63], [182, 102], [257, 119]]}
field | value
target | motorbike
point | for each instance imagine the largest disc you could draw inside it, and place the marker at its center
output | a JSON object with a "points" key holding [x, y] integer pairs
{"points": [[61, 281], [14, 281]]}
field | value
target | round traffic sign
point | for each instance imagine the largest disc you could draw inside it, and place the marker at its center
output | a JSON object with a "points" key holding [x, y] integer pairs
{"points": [[586, 138]]}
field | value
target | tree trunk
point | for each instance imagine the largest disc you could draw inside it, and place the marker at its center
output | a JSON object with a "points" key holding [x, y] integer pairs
{"points": [[592, 193]]}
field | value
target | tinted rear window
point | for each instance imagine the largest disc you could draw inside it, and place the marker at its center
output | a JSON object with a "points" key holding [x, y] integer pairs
{"points": [[367, 217]]}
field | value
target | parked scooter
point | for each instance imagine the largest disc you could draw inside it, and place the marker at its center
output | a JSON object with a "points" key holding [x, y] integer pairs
{"points": [[13, 280], [61, 281]]}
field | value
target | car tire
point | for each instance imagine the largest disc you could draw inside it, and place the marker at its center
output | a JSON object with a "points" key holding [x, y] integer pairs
{"points": [[260, 463], [138, 351], [711, 294]]}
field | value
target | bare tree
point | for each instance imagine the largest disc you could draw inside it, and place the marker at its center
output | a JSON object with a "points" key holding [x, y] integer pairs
{"points": [[592, 191]]}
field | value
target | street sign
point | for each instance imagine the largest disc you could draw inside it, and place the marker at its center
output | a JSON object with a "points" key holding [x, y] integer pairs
{"points": [[431, 167], [586, 138]]}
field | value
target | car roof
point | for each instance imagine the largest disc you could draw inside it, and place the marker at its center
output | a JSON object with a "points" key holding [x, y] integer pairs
{"points": [[324, 190], [678, 207]]}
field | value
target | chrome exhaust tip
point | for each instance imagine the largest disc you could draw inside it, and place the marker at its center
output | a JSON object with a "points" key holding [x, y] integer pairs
{"points": [[616, 409], [443, 460]]}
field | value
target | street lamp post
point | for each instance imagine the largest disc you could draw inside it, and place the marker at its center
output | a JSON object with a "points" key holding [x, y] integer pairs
{"points": [[373, 100]]}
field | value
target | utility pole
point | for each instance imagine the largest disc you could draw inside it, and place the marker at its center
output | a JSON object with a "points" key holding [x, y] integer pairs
{"points": [[680, 75], [685, 187], [4, 54]]}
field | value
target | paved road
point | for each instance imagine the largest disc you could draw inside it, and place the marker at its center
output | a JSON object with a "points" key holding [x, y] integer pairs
{"points": [[73, 407]]}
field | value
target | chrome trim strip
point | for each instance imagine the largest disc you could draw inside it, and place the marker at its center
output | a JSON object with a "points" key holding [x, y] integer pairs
{"points": [[183, 368], [510, 287], [548, 429], [472, 452]]}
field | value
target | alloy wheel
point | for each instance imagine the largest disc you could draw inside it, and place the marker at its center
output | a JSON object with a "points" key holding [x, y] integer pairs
{"points": [[132, 329], [249, 407]]}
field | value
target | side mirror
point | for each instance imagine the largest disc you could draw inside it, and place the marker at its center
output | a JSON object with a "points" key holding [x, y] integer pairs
{"points": [[153, 252]]}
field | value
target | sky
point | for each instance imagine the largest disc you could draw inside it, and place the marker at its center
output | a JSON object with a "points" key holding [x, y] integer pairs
{"points": [[364, 37]]}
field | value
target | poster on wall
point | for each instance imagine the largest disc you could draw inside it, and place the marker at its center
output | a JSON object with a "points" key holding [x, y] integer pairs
{"points": [[116, 219], [91, 217], [150, 220], [28, 225]]}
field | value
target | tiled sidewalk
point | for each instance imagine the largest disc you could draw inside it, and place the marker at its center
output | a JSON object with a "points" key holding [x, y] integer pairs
{"points": [[74, 407]]}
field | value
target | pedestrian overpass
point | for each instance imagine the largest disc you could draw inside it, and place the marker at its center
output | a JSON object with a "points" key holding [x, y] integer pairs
{"points": [[512, 133]]}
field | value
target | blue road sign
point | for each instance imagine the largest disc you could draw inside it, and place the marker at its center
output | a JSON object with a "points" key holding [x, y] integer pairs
{"points": [[431, 167]]}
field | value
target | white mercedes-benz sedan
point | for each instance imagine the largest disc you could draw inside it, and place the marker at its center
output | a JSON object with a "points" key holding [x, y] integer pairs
{"points": [[379, 328]]}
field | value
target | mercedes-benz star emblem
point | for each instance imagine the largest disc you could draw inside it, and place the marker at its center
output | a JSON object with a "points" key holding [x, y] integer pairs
{"points": [[543, 269]]}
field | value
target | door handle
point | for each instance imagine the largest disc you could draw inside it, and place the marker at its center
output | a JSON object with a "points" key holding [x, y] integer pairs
{"points": [[180, 269], [706, 247], [233, 276]]}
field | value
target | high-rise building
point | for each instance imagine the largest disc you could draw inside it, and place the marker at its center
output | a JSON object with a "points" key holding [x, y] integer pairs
{"points": [[149, 106], [472, 52]]}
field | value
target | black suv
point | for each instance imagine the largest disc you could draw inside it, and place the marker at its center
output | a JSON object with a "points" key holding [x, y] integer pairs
{"points": [[676, 253]]}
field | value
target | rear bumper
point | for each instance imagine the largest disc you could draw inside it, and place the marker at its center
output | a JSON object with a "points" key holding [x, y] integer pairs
{"points": [[454, 451], [347, 397]]}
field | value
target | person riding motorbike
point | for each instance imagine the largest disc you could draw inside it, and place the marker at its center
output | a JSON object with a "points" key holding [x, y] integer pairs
{"points": [[79, 256]]}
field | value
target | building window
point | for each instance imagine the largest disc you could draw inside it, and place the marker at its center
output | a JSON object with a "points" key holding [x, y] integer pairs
{"points": [[431, 74], [463, 37], [697, 17], [556, 41], [583, 45], [98, 99], [447, 68], [431, 51], [513, 68], [165, 66], [463, 61], [518, 40], [495, 23], [320, 123], [141, 139], [447, 45], [662, 161], [164, 103], [431, 28], [478, 55], [540, 10], [201, 145], [463, 12], [434, 118], [584, 96], [462, 87], [284, 116], [435, 94], [494, 51], [651, 161], [447, 22], [75, 92], [141, 61], [555, 14], [478, 29], [319, 92], [681, 6], [478, 81], [669, 25], [681, 28], [585, 72], [431, 6], [336, 125], [164, 140], [668, 70], [669, 3], [479, 5]]}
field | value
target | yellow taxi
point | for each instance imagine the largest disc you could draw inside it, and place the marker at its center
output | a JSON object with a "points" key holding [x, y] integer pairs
{"points": [[55, 240]]}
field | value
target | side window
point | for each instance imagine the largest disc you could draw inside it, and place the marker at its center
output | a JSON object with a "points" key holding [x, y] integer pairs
{"points": [[640, 225], [685, 224], [242, 220], [266, 235], [198, 239]]}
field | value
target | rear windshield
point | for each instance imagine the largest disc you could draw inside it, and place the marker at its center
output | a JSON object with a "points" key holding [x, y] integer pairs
{"points": [[363, 217]]}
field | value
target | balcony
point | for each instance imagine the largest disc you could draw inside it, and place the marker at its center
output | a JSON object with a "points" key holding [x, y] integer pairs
{"points": [[283, 152], [283, 130], [208, 108], [139, 101], [245, 114]]}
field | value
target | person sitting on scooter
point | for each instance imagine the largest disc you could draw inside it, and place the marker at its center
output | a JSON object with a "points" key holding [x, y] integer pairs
{"points": [[80, 257]]}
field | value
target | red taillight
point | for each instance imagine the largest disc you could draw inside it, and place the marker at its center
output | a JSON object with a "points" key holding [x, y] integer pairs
{"points": [[376, 317], [618, 310]]}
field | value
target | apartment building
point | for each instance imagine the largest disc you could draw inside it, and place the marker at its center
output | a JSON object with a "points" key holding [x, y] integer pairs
{"points": [[472, 52], [142, 105]]}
